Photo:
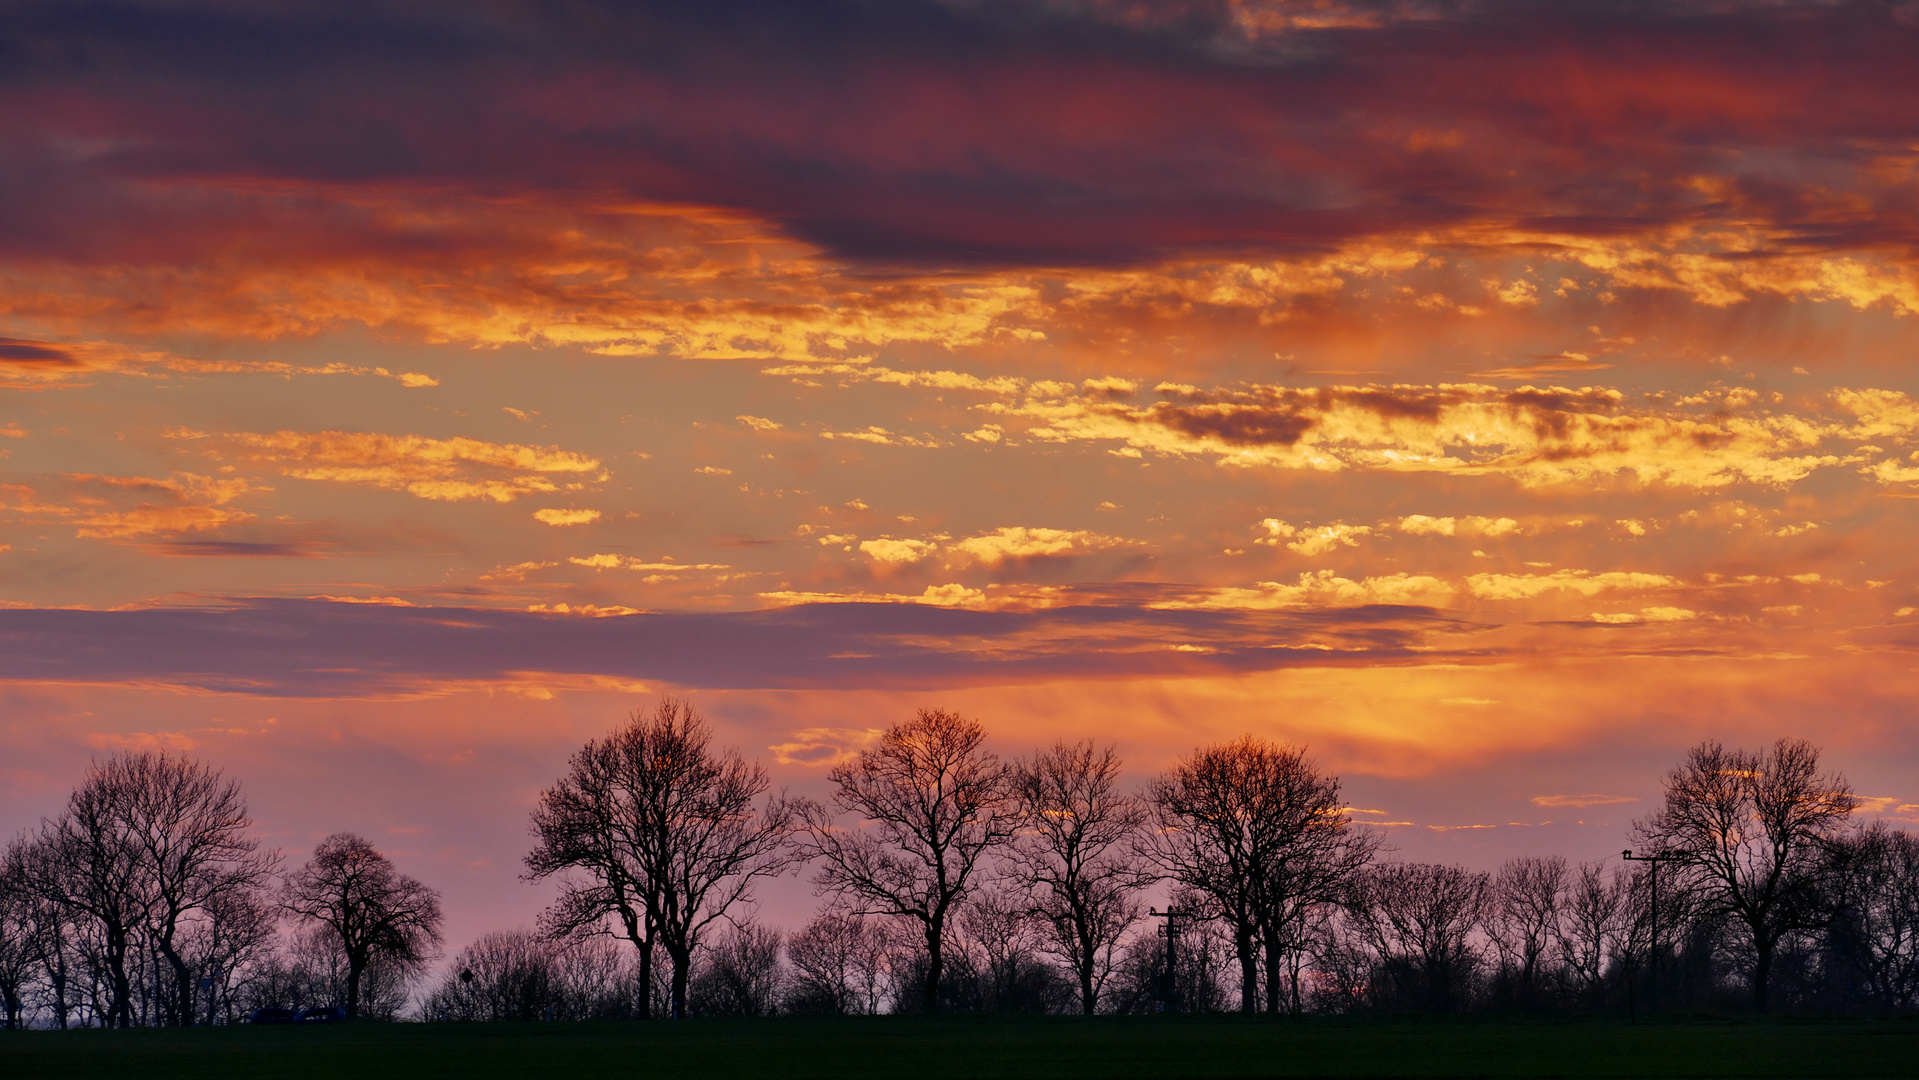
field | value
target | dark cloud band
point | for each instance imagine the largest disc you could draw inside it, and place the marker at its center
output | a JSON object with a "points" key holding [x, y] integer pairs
{"points": [[308, 648], [927, 134]]}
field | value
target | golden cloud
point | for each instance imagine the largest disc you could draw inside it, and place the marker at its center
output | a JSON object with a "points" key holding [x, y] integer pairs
{"points": [[1537, 435], [1424, 525], [1311, 540], [182, 503], [952, 595], [146, 520], [823, 745], [897, 552], [450, 470], [1319, 589], [1017, 542], [1582, 582]]}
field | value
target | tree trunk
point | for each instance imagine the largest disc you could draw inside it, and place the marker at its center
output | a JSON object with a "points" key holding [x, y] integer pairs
{"points": [[1761, 971], [1248, 969], [935, 961], [120, 1010], [682, 961], [645, 1004], [354, 969], [1087, 953], [182, 987], [57, 976], [1275, 961]]}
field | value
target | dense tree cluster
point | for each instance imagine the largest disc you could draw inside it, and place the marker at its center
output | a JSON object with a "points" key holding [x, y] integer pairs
{"points": [[146, 902], [956, 881]]}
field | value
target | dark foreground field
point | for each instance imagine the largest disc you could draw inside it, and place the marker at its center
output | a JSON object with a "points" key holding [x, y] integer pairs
{"points": [[960, 1047]]}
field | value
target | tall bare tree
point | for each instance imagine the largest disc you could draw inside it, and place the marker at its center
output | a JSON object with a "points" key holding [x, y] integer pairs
{"points": [[680, 830], [1076, 856], [1751, 830], [188, 824], [146, 842], [1256, 827], [586, 825], [83, 863], [932, 803], [378, 913]]}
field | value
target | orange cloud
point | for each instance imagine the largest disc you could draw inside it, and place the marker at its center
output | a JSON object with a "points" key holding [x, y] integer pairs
{"points": [[450, 470], [1584, 583], [190, 503], [1582, 801], [1018, 542], [1319, 589], [1538, 436], [560, 518]]}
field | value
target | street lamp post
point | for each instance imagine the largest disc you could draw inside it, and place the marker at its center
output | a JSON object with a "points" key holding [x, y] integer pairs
{"points": [[1654, 859]]}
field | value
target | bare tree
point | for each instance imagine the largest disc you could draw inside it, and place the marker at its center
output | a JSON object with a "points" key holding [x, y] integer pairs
{"points": [[1873, 927], [666, 828], [16, 950], [938, 803], [1528, 895], [1751, 831], [587, 825], [188, 825], [1595, 928], [84, 863], [504, 975], [146, 842], [377, 912], [39, 930], [1002, 939], [1418, 919], [237, 933], [840, 964], [1076, 856], [742, 974], [1257, 828]]}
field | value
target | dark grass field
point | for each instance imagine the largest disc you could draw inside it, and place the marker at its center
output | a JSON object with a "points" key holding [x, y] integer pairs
{"points": [[963, 1047]]}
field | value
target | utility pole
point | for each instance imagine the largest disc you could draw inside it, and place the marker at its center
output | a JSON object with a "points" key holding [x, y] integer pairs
{"points": [[1169, 996], [1654, 860]]}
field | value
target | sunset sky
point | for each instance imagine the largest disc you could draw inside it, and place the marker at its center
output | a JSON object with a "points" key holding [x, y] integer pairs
{"points": [[1496, 398]]}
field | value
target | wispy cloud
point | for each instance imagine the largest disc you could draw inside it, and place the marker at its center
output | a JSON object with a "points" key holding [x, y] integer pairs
{"points": [[450, 470]]}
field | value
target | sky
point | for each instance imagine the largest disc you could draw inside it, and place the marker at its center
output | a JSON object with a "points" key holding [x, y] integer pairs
{"points": [[1495, 398]]}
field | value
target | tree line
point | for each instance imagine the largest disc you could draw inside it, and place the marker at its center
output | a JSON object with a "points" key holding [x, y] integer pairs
{"points": [[955, 880]]}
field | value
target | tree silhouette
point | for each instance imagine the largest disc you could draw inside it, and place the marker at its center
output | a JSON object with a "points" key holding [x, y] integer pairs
{"points": [[1076, 857], [938, 803], [1751, 830], [378, 913], [16, 950], [146, 841], [667, 830], [1523, 917], [1418, 919], [839, 965], [1872, 927], [1255, 827]]}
